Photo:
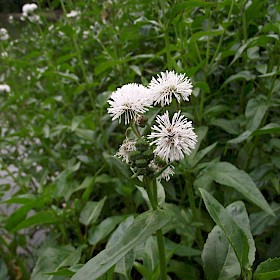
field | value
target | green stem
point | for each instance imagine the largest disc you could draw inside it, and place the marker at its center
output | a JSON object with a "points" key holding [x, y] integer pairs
{"points": [[161, 252], [199, 237], [166, 37], [151, 188], [247, 274], [222, 36]]}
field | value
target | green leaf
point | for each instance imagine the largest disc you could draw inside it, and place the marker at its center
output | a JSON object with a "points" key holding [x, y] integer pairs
{"points": [[20, 214], [219, 259], [143, 226], [97, 233], [254, 41], [52, 259], [3, 270], [267, 270], [91, 211], [254, 113], [230, 126], [203, 86], [181, 7], [201, 154], [262, 221], [227, 174], [203, 35], [246, 75], [242, 137], [40, 218], [235, 234], [238, 211], [271, 128]]}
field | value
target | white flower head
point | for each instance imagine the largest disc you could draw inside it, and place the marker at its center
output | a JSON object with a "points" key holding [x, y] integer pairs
{"points": [[73, 14], [173, 139], [168, 84], [29, 8], [125, 149], [5, 88], [130, 100], [4, 34], [165, 174]]}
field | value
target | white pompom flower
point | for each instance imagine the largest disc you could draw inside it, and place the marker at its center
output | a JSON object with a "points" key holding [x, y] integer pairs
{"points": [[131, 100], [165, 174], [5, 88], [168, 85], [173, 139], [125, 149], [29, 8], [4, 35]]}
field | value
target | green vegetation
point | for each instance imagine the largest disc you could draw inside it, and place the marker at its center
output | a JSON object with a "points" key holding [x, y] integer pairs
{"points": [[217, 216]]}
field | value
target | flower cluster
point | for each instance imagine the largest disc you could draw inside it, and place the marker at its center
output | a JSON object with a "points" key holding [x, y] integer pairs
{"points": [[171, 138], [5, 88], [28, 12], [4, 34]]}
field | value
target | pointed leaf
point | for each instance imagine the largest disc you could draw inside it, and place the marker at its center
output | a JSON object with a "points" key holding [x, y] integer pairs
{"points": [[53, 258], [40, 218], [97, 233], [91, 211], [234, 233], [267, 270], [219, 259], [254, 113], [143, 226], [227, 174]]}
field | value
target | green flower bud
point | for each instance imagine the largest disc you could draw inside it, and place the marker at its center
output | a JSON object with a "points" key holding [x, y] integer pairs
{"points": [[148, 155], [143, 171], [142, 145], [134, 155], [141, 121], [159, 161], [141, 163]]}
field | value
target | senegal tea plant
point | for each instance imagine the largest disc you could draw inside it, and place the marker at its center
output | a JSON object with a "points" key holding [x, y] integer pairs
{"points": [[150, 155]]}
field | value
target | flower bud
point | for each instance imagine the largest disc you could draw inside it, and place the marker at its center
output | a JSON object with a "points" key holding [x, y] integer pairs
{"points": [[142, 145], [148, 155], [134, 155], [141, 163]]}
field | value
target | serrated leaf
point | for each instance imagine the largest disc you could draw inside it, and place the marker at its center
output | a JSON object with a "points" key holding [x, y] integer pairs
{"points": [[91, 211], [142, 227], [219, 259], [227, 174], [235, 234], [267, 270]]}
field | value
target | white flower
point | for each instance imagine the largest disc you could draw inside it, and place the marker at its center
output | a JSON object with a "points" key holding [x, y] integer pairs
{"points": [[4, 54], [173, 139], [29, 8], [168, 84], [5, 88], [166, 173], [4, 34], [131, 100], [124, 150], [73, 14]]}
